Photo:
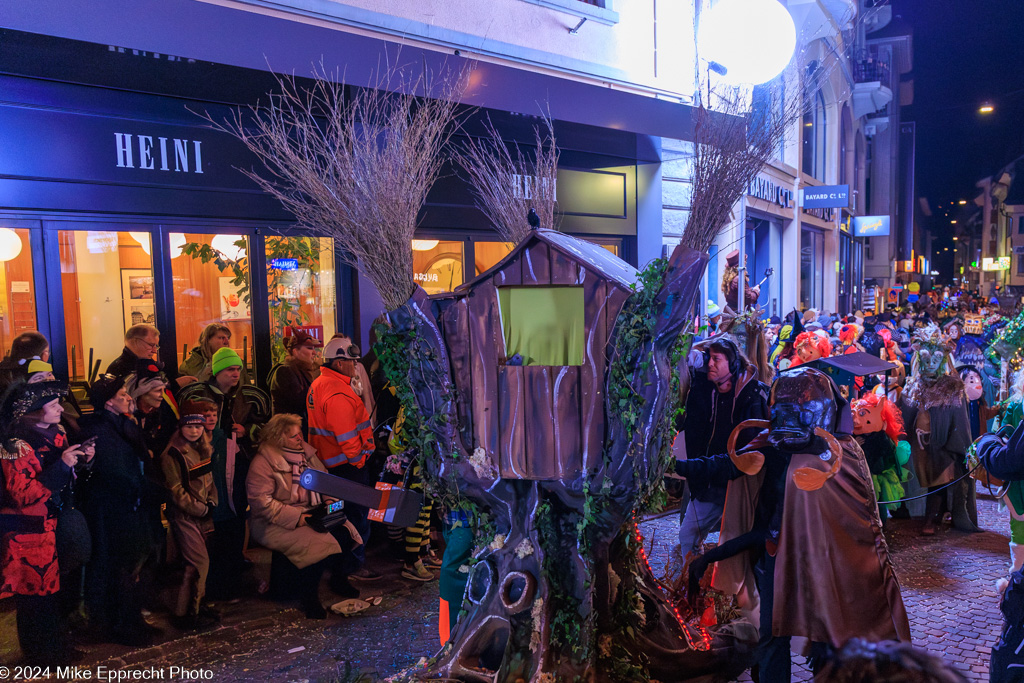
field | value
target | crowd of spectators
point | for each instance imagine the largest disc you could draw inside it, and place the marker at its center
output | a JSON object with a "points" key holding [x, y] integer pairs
{"points": [[152, 477]]}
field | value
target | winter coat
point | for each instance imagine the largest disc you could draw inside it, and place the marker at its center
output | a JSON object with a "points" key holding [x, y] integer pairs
{"points": [[289, 384], [49, 444], [339, 426], [711, 416], [29, 559], [244, 404], [117, 497], [188, 476], [277, 503]]}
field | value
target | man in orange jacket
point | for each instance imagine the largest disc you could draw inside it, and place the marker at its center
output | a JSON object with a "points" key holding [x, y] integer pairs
{"points": [[341, 431]]}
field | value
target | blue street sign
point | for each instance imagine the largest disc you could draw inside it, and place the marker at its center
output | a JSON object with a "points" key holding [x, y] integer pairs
{"points": [[870, 226], [826, 197], [913, 297]]}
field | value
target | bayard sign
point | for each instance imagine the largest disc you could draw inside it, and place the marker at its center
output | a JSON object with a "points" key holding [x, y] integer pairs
{"points": [[825, 197]]}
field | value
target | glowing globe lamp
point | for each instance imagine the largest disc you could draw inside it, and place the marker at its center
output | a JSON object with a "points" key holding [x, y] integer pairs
{"points": [[143, 239], [753, 39], [10, 244], [225, 244]]}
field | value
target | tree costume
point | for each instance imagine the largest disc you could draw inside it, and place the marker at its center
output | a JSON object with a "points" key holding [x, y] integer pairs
{"points": [[934, 409], [806, 534]]}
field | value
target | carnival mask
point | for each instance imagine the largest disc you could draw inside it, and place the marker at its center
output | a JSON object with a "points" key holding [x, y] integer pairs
{"points": [[973, 385], [931, 362], [866, 418], [801, 400], [803, 407]]}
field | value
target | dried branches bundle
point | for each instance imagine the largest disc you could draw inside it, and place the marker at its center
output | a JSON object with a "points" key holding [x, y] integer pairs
{"points": [[732, 143], [507, 187], [357, 166]]}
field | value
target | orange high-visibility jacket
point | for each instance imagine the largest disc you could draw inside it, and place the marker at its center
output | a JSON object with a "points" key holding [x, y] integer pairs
{"points": [[339, 426]]}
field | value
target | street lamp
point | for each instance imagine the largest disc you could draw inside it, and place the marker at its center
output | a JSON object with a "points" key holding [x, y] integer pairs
{"points": [[986, 108], [751, 41]]}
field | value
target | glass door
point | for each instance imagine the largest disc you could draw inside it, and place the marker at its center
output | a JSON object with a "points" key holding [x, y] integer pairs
{"points": [[210, 273], [106, 278]]}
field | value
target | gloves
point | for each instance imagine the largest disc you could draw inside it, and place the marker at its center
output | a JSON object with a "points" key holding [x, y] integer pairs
{"points": [[698, 566], [695, 359]]}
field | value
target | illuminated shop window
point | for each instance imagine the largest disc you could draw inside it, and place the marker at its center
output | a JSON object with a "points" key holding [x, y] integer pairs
{"points": [[437, 265], [211, 285], [107, 282], [300, 288]]}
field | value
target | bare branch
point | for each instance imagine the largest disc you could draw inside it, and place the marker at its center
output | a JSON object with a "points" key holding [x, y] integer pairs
{"points": [[507, 187], [357, 166]]}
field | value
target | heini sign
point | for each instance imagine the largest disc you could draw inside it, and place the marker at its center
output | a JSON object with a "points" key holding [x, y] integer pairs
{"points": [[163, 155]]}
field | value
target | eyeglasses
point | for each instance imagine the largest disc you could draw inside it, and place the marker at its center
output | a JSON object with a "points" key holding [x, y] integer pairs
{"points": [[153, 346]]}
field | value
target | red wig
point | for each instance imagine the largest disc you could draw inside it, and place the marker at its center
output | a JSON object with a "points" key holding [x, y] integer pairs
{"points": [[891, 415]]}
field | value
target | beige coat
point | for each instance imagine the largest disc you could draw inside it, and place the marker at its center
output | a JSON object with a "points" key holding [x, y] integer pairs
{"points": [[276, 512]]}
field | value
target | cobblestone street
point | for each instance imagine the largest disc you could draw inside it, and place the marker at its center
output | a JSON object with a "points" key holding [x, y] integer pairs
{"points": [[948, 585]]}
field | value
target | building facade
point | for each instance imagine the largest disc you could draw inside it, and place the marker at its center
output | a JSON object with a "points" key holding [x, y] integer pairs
{"points": [[848, 136], [119, 194]]}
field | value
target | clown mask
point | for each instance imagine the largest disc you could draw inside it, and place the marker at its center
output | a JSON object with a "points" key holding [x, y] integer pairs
{"points": [[866, 418], [972, 385], [808, 350]]}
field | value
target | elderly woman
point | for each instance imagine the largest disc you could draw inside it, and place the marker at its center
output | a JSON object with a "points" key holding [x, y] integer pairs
{"points": [[282, 512]]}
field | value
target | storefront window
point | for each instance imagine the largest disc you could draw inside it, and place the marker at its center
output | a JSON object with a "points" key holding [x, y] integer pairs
{"points": [[489, 253], [812, 266], [300, 288], [107, 282], [437, 265], [17, 288], [211, 285]]}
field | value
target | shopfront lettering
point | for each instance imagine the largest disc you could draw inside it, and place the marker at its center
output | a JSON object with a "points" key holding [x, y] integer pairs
{"points": [[426, 277], [140, 151], [762, 188], [823, 214], [525, 186]]}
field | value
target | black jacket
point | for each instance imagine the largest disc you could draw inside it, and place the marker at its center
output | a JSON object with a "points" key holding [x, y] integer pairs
{"points": [[711, 416], [289, 385]]}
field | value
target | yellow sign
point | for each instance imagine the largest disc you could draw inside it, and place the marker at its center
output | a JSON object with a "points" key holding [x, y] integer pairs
{"points": [[914, 287]]}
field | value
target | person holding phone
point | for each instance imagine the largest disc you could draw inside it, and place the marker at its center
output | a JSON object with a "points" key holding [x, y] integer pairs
{"points": [[286, 518], [187, 468], [37, 421], [29, 557]]}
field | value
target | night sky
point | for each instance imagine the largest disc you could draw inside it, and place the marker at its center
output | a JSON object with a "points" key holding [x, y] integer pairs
{"points": [[966, 52]]}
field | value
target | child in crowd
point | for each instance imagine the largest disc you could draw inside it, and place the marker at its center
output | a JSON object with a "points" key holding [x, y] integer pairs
{"points": [[188, 475]]}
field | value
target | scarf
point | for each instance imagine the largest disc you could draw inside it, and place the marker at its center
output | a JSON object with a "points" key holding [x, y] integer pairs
{"points": [[297, 459]]}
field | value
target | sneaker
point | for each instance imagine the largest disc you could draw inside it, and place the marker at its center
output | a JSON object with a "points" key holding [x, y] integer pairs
{"points": [[432, 561], [365, 574], [417, 572]]}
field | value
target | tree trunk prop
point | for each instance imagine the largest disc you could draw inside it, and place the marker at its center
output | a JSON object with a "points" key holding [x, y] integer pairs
{"points": [[560, 589]]}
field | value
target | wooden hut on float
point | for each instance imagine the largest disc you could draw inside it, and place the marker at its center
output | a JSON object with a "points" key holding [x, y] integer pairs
{"points": [[528, 344]]}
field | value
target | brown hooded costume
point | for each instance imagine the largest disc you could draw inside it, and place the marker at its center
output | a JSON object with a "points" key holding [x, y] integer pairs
{"points": [[834, 578]]}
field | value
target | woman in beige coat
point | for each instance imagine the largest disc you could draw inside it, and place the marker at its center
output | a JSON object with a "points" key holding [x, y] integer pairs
{"points": [[281, 510]]}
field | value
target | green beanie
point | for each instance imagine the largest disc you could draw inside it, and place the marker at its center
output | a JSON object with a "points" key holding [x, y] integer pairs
{"points": [[225, 358]]}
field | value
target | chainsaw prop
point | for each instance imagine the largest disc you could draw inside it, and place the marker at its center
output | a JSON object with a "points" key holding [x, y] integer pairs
{"points": [[388, 503]]}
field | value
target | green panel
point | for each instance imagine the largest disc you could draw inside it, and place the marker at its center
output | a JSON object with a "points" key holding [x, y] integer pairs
{"points": [[543, 324]]}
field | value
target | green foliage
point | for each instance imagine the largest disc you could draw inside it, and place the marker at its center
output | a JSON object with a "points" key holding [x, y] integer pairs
{"points": [[571, 633]]}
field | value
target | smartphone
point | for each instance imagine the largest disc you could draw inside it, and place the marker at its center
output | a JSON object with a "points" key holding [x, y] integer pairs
{"points": [[91, 441], [334, 507]]}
